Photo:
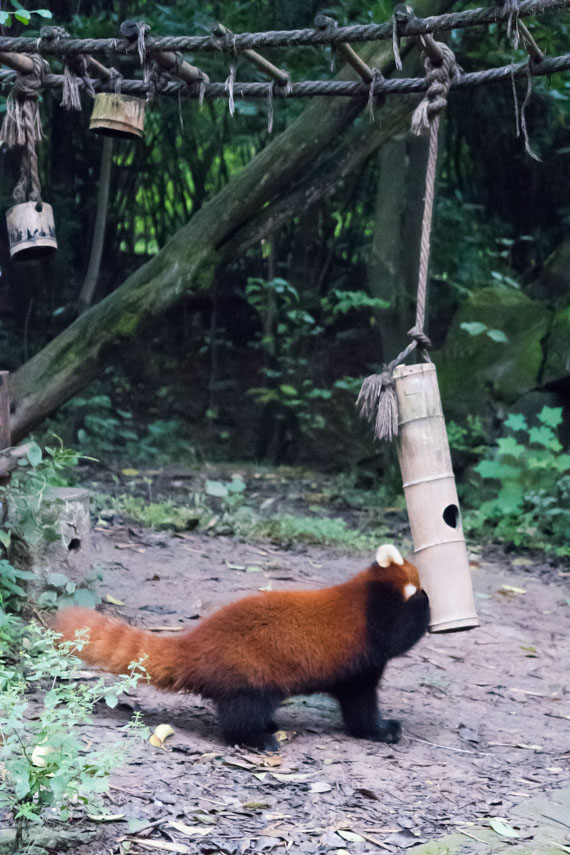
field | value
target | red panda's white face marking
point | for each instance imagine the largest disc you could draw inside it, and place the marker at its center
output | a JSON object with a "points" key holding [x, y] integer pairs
{"points": [[404, 574]]}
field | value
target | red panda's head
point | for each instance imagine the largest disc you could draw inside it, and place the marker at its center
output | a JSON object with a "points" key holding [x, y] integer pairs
{"points": [[395, 569]]}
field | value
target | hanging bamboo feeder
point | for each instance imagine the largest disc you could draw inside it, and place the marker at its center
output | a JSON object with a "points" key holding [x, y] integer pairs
{"points": [[117, 115], [31, 231], [431, 499]]}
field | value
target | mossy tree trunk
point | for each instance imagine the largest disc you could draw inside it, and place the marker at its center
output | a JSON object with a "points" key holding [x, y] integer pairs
{"points": [[225, 226]]}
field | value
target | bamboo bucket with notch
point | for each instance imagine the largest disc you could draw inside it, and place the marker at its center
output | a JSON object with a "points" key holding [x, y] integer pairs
{"points": [[31, 231]]}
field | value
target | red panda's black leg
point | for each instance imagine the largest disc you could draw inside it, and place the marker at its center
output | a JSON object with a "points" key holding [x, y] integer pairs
{"points": [[246, 719], [359, 705]]}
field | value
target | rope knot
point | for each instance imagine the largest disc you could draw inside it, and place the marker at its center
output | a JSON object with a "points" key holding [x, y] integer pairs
{"points": [[419, 336], [22, 127], [438, 79]]}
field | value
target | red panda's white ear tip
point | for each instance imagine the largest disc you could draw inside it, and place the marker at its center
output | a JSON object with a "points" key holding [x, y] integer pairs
{"points": [[388, 554]]}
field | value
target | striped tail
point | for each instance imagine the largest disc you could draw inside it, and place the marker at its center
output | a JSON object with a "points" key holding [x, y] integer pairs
{"points": [[112, 645]]}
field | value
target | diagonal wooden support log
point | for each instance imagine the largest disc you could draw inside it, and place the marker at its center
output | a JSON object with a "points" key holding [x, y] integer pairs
{"points": [[323, 22], [168, 60], [256, 59]]}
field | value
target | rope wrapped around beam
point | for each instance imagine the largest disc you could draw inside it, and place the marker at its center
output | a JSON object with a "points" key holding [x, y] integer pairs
{"points": [[285, 38]]}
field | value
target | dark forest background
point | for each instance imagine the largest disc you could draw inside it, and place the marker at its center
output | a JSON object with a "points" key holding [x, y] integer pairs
{"points": [[263, 362]]}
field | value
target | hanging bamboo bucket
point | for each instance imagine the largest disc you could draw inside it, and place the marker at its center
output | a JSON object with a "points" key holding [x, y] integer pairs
{"points": [[431, 499], [117, 115], [31, 231]]}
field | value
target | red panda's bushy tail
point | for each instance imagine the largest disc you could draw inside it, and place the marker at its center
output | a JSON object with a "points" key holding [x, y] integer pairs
{"points": [[112, 645]]}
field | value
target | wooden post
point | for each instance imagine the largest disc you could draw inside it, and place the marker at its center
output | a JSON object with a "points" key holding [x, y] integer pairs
{"points": [[431, 499], [5, 436]]}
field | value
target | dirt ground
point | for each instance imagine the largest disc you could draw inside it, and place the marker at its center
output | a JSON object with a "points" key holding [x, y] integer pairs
{"points": [[485, 714]]}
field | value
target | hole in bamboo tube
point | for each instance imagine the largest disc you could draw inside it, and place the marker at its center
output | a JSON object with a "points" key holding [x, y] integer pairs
{"points": [[451, 516]]}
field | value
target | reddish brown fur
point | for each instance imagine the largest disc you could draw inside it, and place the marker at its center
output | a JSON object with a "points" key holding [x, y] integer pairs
{"points": [[283, 640]]}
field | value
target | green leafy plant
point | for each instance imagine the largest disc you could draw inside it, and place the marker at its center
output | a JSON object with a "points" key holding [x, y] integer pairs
{"points": [[47, 772], [287, 331], [108, 431], [339, 302], [531, 507], [478, 328], [158, 515], [22, 15]]}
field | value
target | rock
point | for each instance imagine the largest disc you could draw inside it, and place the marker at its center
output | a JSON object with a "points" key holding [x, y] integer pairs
{"points": [[557, 365], [474, 370]]}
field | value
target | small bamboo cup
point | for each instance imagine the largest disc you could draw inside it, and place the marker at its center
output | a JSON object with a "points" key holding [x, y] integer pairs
{"points": [[440, 553], [117, 115], [31, 231]]}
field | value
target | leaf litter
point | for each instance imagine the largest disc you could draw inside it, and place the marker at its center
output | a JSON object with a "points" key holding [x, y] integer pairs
{"points": [[464, 747]]}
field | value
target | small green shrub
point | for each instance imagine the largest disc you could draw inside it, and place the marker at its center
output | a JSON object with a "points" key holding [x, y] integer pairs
{"points": [[22, 498], [532, 505], [158, 515], [108, 431], [322, 531], [47, 772]]}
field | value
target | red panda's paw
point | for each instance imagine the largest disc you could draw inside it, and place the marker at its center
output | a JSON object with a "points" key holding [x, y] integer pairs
{"points": [[387, 730], [269, 744]]}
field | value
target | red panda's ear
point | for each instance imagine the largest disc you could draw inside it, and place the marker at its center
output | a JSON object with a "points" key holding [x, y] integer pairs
{"points": [[388, 554]]}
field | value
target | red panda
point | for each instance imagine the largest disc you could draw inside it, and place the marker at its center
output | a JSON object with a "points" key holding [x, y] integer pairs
{"points": [[252, 654]]}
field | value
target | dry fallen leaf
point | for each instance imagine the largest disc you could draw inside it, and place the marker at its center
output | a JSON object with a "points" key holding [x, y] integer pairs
{"points": [[190, 830], [240, 763], [108, 598], [293, 776], [106, 817], [39, 754], [501, 827], [320, 787], [351, 836], [161, 733], [512, 589], [160, 844]]}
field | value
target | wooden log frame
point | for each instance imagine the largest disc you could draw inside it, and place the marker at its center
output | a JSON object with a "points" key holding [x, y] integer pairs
{"points": [[255, 201]]}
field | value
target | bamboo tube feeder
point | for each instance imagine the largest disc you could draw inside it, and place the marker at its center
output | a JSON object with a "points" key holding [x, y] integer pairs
{"points": [[440, 553]]}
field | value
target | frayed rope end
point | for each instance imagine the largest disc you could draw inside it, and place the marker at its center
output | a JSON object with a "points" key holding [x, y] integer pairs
{"points": [[377, 402]]}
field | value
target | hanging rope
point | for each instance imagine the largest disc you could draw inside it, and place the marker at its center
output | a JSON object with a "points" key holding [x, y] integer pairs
{"points": [[377, 397], [74, 69], [22, 127]]}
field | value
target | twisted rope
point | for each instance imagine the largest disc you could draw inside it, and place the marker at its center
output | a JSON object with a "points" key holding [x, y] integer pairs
{"points": [[287, 38], [377, 397], [22, 127], [308, 88]]}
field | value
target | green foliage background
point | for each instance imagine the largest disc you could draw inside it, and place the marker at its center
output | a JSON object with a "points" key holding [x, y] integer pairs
{"points": [[266, 365]]}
